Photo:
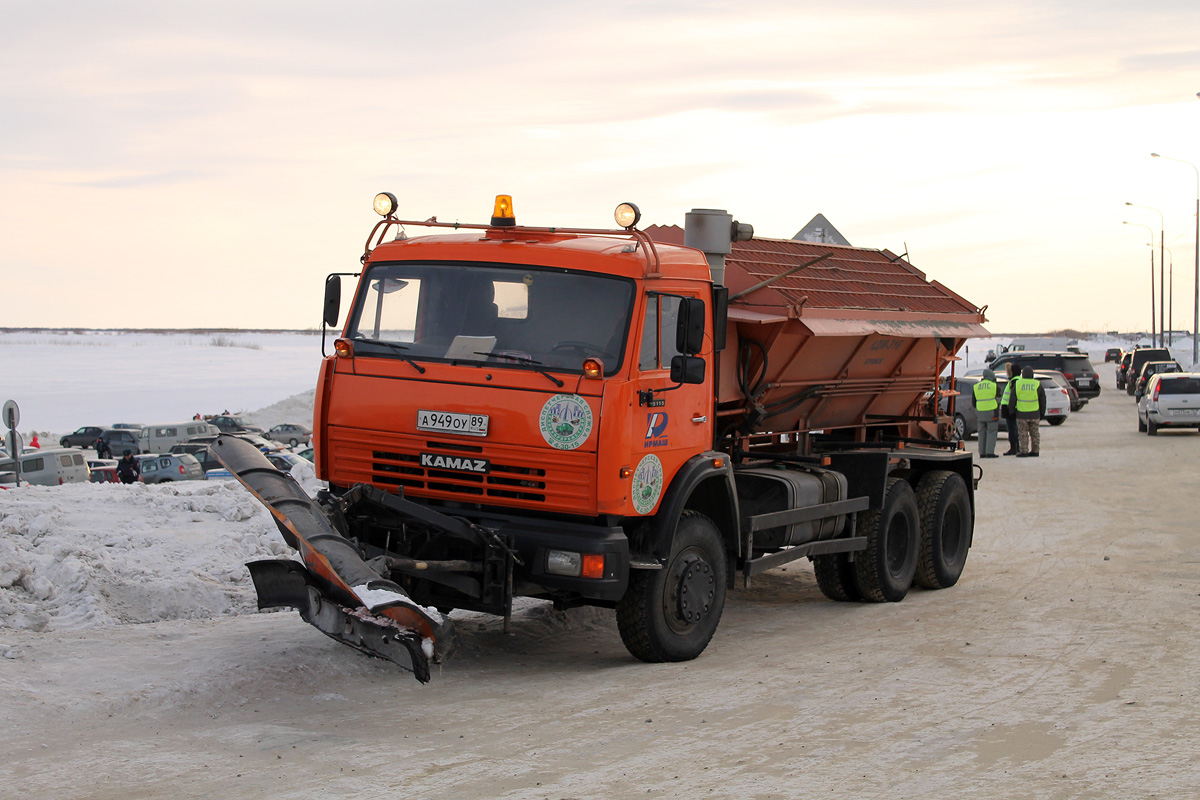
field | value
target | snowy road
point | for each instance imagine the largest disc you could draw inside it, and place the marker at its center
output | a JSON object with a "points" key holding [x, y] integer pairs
{"points": [[1064, 665]]}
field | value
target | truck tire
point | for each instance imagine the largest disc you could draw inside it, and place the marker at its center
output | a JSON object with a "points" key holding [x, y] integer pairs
{"points": [[835, 577], [884, 571], [671, 614], [946, 525]]}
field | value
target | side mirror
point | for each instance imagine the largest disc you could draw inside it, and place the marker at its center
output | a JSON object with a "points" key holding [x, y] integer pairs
{"points": [[687, 369], [689, 335], [333, 300]]}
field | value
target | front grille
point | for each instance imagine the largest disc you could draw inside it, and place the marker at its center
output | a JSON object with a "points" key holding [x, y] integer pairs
{"points": [[505, 480]]}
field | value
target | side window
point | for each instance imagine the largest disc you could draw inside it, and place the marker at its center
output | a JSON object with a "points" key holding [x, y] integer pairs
{"points": [[149, 466], [658, 334], [64, 460], [33, 465], [78, 459]]}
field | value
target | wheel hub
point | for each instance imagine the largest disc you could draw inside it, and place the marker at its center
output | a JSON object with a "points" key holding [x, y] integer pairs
{"points": [[694, 589]]}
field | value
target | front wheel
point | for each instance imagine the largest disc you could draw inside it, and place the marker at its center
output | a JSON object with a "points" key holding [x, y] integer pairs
{"points": [[294, 442], [671, 614], [960, 428]]}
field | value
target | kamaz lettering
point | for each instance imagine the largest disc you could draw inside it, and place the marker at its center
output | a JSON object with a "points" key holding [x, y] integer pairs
{"points": [[460, 464]]}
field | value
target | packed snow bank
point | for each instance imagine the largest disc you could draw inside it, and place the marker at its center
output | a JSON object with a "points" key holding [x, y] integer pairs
{"points": [[88, 555]]}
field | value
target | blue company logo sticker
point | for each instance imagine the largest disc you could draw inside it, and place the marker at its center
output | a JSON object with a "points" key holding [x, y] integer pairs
{"points": [[656, 429], [647, 484], [565, 421]]}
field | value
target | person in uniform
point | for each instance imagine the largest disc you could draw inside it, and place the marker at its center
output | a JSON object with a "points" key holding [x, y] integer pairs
{"points": [[987, 411], [1028, 400]]}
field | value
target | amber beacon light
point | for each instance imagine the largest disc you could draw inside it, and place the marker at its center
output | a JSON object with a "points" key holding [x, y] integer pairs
{"points": [[502, 214]]}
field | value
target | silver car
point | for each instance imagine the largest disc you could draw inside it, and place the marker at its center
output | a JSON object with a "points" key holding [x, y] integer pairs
{"points": [[170, 467], [1171, 400], [290, 434]]}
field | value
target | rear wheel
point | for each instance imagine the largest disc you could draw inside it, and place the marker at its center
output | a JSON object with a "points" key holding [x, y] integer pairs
{"points": [[884, 571], [293, 442], [1056, 420], [671, 614], [946, 526], [1151, 427], [835, 577], [1141, 424], [960, 428]]}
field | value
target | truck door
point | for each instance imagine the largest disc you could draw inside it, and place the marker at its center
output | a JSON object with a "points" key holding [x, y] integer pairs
{"points": [[669, 426]]}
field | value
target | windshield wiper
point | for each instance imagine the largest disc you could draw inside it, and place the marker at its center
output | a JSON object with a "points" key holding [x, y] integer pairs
{"points": [[399, 348], [523, 360]]}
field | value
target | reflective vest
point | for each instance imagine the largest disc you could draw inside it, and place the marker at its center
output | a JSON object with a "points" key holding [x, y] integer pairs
{"points": [[985, 395], [1027, 394], [1008, 387]]}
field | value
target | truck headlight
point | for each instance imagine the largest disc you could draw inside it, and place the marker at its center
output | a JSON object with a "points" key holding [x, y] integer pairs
{"points": [[564, 562]]}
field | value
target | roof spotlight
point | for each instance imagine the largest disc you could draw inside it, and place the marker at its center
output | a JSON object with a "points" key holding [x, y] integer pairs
{"points": [[385, 204], [627, 215]]}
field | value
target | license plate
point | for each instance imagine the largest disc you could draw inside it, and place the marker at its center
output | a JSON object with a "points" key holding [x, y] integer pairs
{"points": [[1184, 412], [450, 422]]}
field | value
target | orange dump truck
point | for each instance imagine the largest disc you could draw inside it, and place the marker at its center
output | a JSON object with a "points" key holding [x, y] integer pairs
{"points": [[618, 418]]}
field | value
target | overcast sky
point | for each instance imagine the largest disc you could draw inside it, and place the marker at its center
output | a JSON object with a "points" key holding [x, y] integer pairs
{"points": [[206, 164]]}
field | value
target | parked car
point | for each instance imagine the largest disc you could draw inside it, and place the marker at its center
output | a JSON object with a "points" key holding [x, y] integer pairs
{"points": [[282, 461], [1075, 367], [1171, 400], [200, 452], [82, 437], [167, 467], [306, 453], [1112, 354], [161, 437], [1123, 368], [1076, 401], [119, 441], [290, 433], [50, 467], [1149, 370], [231, 424], [1139, 357], [105, 474], [265, 445]]}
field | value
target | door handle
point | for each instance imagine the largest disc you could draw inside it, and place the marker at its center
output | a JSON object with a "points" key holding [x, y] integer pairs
{"points": [[700, 420]]}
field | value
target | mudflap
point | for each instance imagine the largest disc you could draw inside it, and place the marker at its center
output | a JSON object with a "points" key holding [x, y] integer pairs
{"points": [[283, 582], [336, 590]]}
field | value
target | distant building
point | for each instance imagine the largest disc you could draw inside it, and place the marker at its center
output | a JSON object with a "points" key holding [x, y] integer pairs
{"points": [[820, 231]]}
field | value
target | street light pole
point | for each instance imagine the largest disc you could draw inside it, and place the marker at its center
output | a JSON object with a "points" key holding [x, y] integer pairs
{"points": [[1196, 307], [1170, 298], [1162, 262], [1151, 243]]}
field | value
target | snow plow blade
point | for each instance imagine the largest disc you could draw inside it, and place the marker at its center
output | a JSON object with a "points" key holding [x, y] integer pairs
{"points": [[335, 590]]}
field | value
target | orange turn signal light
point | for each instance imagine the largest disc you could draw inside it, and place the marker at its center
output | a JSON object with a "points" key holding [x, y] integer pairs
{"points": [[718, 463], [593, 368], [626, 472], [344, 348], [593, 565]]}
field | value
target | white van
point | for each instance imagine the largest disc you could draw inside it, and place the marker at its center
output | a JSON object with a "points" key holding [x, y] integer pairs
{"points": [[160, 438], [51, 467]]}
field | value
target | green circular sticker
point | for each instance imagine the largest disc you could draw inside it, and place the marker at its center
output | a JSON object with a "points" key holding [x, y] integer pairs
{"points": [[565, 421], [647, 484]]}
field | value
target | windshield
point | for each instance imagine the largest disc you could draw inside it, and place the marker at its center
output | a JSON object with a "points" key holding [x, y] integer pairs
{"points": [[505, 315]]}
